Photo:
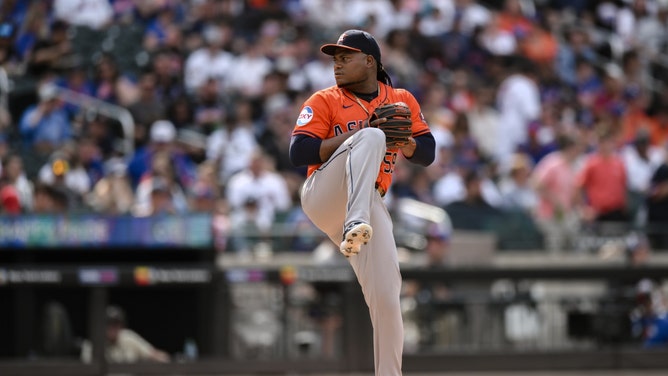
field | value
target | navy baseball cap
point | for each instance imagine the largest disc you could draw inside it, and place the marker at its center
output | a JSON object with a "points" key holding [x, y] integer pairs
{"points": [[359, 41], [354, 40]]}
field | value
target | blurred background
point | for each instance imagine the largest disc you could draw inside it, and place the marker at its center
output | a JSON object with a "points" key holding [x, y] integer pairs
{"points": [[150, 220]]}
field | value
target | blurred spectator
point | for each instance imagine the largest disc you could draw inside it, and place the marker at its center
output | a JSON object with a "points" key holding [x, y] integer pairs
{"points": [[204, 194], [456, 43], [398, 60], [471, 15], [411, 182], [248, 69], [147, 109], [484, 121], [75, 79], [542, 134], [649, 319], [274, 138], [575, 46], [609, 102], [52, 53], [449, 184], [315, 73], [438, 238], [65, 169], [30, 30], [232, 145], [112, 194], [437, 20], [554, 179], [539, 44], [602, 182], [110, 85], [635, 116], [162, 140], [516, 191], [181, 112], [211, 61], [95, 14], [156, 30], [329, 17], [587, 86], [439, 117], [636, 77], [167, 67], [258, 192], [465, 151], [472, 212], [248, 229], [640, 160], [45, 126], [518, 100], [274, 94], [496, 40], [14, 176], [124, 345], [210, 108], [192, 145], [657, 205], [159, 190], [659, 131], [50, 200], [461, 98], [515, 17], [650, 33], [105, 134], [9, 195]]}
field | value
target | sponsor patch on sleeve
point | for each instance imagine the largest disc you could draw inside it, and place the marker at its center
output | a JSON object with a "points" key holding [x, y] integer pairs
{"points": [[305, 116]]}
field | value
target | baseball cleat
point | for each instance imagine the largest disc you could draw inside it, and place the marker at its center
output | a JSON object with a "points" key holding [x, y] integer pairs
{"points": [[356, 234]]}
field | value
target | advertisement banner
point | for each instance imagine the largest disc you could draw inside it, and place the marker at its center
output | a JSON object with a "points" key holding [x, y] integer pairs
{"points": [[78, 231]]}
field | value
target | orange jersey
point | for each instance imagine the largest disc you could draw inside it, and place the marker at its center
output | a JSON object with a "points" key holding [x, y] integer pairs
{"points": [[333, 111]]}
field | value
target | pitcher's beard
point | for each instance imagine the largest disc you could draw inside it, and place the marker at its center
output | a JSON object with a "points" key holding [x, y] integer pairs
{"points": [[348, 85]]}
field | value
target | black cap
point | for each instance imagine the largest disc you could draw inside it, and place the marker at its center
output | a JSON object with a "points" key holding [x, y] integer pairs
{"points": [[359, 41], [354, 40]]}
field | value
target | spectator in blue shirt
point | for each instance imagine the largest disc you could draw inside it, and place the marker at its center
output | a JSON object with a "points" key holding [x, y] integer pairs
{"points": [[45, 126]]}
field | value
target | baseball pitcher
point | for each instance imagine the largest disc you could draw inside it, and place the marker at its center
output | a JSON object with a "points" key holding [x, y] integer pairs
{"points": [[349, 136]]}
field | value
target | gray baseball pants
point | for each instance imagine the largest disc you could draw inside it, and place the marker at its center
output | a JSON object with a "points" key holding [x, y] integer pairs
{"points": [[342, 191]]}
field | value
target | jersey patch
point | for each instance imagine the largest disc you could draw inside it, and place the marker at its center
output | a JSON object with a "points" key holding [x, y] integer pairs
{"points": [[305, 116]]}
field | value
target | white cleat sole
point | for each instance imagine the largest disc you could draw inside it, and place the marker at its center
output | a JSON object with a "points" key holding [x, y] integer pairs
{"points": [[354, 239]]}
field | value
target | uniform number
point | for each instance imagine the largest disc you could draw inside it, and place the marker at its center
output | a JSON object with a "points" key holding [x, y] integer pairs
{"points": [[389, 161]]}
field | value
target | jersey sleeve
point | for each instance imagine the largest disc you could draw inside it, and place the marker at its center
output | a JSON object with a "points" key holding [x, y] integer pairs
{"points": [[314, 118], [420, 125]]}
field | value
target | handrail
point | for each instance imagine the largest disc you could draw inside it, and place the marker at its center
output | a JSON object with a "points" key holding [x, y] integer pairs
{"points": [[119, 113]]}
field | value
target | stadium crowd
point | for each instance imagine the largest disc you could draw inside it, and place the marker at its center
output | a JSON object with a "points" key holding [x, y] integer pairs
{"points": [[554, 109]]}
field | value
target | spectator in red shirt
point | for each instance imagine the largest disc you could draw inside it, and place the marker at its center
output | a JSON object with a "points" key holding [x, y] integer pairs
{"points": [[602, 183]]}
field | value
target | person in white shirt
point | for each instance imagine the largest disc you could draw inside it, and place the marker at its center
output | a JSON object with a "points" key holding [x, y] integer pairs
{"points": [[210, 61], [96, 14], [518, 101], [231, 146], [248, 70], [640, 160], [124, 345], [263, 186]]}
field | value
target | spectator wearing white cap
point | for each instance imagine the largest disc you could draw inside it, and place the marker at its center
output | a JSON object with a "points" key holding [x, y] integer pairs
{"points": [[45, 126], [162, 139]]}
